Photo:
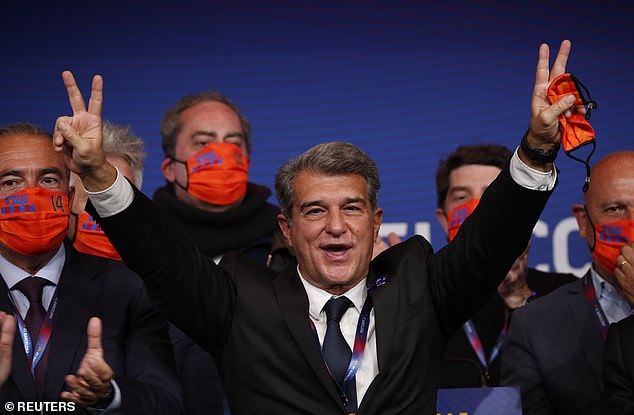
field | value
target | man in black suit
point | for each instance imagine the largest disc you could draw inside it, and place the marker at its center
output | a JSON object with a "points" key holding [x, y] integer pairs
{"points": [[555, 344], [61, 298], [266, 329], [473, 355]]}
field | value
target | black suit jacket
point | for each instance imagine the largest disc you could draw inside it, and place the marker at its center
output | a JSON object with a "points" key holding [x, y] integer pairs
{"points": [[255, 322], [554, 351], [134, 339], [617, 397], [462, 367]]}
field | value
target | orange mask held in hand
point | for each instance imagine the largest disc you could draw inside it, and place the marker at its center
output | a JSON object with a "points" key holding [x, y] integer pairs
{"points": [[576, 131]]}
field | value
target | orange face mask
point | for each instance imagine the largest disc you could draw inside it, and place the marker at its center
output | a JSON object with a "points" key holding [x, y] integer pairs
{"points": [[457, 215], [33, 221], [609, 238], [576, 131], [91, 240], [217, 174]]}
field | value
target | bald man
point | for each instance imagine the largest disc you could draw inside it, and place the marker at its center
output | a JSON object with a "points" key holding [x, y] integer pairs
{"points": [[555, 344]]}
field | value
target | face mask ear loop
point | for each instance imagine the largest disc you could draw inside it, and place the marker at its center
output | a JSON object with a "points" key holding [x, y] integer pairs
{"points": [[594, 233], [585, 162], [589, 103], [72, 238], [186, 172]]}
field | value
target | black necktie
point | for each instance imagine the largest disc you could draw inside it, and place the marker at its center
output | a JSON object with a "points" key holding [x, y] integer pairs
{"points": [[336, 351], [32, 288]]}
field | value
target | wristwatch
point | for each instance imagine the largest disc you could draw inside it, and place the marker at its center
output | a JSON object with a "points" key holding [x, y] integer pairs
{"points": [[538, 155]]}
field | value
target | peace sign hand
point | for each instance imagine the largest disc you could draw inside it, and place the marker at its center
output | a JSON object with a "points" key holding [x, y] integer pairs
{"points": [[79, 137]]}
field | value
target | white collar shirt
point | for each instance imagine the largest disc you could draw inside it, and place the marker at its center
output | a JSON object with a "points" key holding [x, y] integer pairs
{"points": [[52, 272], [317, 298]]}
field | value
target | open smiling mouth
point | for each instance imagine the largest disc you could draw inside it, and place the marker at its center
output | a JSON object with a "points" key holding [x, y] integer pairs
{"points": [[336, 250]]}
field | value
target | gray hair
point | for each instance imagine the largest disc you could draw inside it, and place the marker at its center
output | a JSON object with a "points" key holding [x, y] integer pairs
{"points": [[332, 159], [23, 128], [120, 141], [171, 124]]}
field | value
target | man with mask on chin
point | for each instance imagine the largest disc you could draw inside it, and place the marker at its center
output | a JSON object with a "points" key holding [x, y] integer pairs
{"points": [[87, 330], [555, 345], [207, 147]]}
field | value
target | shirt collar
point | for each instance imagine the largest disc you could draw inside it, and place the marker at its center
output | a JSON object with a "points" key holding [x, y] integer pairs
{"points": [[317, 297], [51, 271]]}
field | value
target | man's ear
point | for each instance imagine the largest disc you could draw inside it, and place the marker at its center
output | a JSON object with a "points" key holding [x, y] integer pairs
{"points": [[442, 219], [585, 230], [167, 167], [285, 227], [378, 219]]}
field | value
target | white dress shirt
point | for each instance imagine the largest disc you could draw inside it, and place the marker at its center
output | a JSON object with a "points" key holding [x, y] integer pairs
{"points": [[614, 306]]}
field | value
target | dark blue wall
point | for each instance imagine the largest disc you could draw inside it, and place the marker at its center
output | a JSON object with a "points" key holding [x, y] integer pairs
{"points": [[406, 81]]}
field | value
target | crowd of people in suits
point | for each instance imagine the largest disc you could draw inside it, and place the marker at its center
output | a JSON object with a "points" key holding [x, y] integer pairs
{"points": [[210, 300]]}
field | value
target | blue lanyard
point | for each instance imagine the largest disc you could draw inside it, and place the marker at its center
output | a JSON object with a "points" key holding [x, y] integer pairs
{"points": [[591, 297], [360, 341], [476, 343]]}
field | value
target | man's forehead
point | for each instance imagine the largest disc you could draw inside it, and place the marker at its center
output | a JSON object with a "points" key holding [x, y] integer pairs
{"points": [[309, 184], [32, 151]]}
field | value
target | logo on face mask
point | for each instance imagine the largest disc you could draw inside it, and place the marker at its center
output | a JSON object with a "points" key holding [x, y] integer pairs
{"points": [[33, 221], [457, 216], [91, 240], [609, 238], [217, 174]]}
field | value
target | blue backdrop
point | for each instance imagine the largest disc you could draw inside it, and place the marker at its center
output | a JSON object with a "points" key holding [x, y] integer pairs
{"points": [[407, 81]]}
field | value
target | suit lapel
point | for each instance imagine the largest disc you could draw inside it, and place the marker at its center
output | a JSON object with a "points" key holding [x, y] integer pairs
{"points": [[588, 328], [20, 366], [77, 293], [382, 296], [293, 303]]}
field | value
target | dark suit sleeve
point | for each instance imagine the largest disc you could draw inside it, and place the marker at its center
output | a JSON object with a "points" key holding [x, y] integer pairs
{"points": [[617, 397], [466, 272], [187, 287], [149, 384], [519, 367]]}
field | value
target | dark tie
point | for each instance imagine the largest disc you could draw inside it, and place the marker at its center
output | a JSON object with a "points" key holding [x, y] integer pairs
{"points": [[32, 289], [336, 351]]}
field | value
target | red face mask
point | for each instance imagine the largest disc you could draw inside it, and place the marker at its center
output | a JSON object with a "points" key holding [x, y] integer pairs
{"points": [[34, 221], [609, 238], [457, 215], [217, 174], [576, 131], [91, 240]]}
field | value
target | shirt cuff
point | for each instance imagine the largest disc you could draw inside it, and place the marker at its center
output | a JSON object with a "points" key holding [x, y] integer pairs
{"points": [[114, 199], [113, 406], [530, 178]]}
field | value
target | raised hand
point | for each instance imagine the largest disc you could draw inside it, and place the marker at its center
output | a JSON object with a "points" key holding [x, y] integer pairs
{"points": [[624, 272], [79, 137], [93, 380], [7, 332], [544, 133], [380, 245]]}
